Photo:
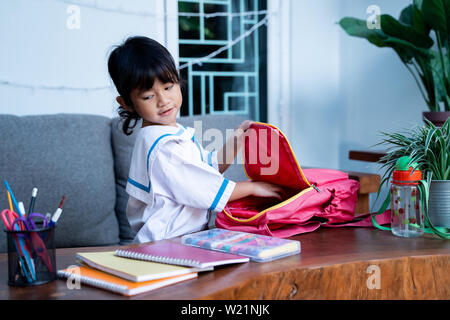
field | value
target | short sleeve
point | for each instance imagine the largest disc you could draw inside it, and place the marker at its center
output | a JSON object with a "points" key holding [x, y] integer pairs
{"points": [[178, 173]]}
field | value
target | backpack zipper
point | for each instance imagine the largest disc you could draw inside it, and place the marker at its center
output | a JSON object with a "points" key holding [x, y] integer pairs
{"points": [[316, 188]]}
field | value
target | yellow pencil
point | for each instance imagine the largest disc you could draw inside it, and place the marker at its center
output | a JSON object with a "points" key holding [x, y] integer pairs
{"points": [[10, 203]]}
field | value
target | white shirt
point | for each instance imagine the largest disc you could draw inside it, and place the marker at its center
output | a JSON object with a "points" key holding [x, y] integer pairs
{"points": [[173, 184]]}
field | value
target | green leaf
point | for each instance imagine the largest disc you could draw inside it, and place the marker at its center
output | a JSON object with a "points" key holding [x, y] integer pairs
{"points": [[419, 21], [394, 28], [412, 16], [358, 28], [406, 50], [444, 156], [446, 174], [436, 14], [441, 88], [428, 138], [406, 16]]}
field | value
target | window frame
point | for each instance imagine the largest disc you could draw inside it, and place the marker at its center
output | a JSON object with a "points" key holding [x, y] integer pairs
{"points": [[278, 56]]}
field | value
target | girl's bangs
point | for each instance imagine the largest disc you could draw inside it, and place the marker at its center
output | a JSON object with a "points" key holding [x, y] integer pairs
{"points": [[165, 74]]}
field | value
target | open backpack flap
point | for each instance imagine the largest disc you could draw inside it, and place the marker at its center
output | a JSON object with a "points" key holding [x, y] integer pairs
{"points": [[312, 197]]}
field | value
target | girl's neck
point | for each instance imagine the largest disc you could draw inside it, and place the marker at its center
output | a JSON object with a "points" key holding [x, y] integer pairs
{"points": [[147, 124]]}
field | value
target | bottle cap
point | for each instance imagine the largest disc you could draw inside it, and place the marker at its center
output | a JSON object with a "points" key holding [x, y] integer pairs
{"points": [[403, 173]]}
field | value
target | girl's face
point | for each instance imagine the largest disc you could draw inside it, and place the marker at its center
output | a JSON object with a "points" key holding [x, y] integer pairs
{"points": [[158, 105]]}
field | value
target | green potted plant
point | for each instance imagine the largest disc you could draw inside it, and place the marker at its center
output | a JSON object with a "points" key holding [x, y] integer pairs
{"points": [[421, 39], [429, 146]]}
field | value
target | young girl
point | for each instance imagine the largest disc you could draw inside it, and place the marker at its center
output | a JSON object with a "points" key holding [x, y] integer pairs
{"points": [[174, 184]]}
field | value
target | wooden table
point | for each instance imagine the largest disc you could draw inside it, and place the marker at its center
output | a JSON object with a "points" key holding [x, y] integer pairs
{"points": [[334, 264]]}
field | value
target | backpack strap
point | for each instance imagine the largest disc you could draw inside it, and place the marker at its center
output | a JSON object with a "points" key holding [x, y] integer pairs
{"points": [[383, 208]]}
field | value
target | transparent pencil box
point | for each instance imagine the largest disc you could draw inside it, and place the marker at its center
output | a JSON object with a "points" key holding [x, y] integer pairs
{"points": [[259, 248]]}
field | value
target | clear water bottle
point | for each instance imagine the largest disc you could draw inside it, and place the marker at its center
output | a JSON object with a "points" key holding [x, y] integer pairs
{"points": [[407, 218]]}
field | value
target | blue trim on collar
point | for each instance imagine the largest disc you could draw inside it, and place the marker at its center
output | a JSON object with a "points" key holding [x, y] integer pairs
{"points": [[139, 185], [198, 146], [210, 159]]}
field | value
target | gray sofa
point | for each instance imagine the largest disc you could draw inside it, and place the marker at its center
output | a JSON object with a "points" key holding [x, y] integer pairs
{"points": [[86, 158]]}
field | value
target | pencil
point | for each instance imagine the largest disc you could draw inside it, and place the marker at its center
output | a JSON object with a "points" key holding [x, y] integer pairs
{"points": [[12, 197], [9, 200]]}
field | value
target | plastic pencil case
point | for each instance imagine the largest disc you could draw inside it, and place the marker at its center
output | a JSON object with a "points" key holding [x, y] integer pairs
{"points": [[259, 248]]}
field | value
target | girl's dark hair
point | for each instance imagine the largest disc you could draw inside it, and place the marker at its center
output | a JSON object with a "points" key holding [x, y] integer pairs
{"points": [[134, 65]]}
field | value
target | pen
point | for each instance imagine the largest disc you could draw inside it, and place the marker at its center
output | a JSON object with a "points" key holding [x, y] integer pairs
{"points": [[57, 213], [33, 199], [22, 212]]}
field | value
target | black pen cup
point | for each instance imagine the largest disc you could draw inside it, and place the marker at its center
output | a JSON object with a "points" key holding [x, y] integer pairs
{"points": [[31, 256]]}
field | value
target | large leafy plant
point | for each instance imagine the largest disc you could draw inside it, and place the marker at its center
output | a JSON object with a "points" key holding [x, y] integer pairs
{"points": [[421, 39], [427, 145]]}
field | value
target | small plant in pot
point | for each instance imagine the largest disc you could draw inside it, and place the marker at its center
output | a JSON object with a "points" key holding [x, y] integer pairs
{"points": [[429, 146], [421, 39]]}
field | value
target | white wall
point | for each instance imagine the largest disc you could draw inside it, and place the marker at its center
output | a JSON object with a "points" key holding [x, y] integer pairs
{"points": [[315, 78], [344, 89], [38, 49], [378, 92]]}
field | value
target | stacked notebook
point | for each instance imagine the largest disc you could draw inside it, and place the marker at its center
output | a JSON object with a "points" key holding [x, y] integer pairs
{"points": [[145, 267]]}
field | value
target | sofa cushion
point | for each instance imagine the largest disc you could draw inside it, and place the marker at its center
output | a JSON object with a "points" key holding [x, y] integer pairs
{"points": [[123, 147], [62, 154]]}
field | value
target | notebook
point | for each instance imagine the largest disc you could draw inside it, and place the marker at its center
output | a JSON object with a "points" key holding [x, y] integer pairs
{"points": [[112, 283], [178, 254], [257, 247], [132, 270]]}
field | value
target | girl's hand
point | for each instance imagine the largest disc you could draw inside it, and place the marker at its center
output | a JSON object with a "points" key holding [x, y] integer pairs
{"points": [[245, 125], [266, 189]]}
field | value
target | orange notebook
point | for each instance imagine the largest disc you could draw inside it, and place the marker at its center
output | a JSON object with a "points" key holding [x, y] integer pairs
{"points": [[112, 283]]}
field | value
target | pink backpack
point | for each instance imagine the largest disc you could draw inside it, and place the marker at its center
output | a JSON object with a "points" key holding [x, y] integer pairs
{"points": [[313, 197]]}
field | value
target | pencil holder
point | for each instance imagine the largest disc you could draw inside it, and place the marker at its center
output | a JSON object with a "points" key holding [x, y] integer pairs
{"points": [[31, 256]]}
